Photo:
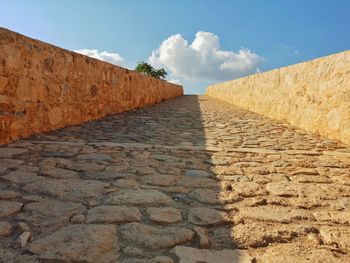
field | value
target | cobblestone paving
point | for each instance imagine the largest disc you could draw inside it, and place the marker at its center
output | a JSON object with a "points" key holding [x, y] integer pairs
{"points": [[189, 180]]}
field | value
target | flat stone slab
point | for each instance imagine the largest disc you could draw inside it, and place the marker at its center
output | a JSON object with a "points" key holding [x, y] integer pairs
{"points": [[113, 214], [275, 214], [197, 173], [22, 177], [207, 216], [194, 255], [292, 253], [8, 208], [338, 235], [156, 238], [288, 189], [79, 243], [166, 215], [9, 152], [68, 189], [5, 229], [51, 212], [59, 173], [138, 197]]}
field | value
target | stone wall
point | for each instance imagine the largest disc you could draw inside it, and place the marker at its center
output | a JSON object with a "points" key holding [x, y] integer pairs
{"points": [[314, 95], [43, 87]]}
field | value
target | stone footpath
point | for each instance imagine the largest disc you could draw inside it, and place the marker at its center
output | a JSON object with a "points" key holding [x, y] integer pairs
{"points": [[190, 180]]}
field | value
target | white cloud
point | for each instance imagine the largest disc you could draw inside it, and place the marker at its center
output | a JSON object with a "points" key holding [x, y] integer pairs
{"points": [[175, 81], [203, 59], [113, 58]]}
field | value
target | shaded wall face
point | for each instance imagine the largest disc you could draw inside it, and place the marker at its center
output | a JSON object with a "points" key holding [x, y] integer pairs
{"points": [[313, 95], [43, 87]]}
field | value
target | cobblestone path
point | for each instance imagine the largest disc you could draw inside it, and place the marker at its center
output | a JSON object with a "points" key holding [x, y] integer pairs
{"points": [[190, 180]]}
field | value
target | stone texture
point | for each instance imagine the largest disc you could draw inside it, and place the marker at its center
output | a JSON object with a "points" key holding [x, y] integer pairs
{"points": [[193, 255], [261, 234], [167, 215], [72, 189], [305, 203], [301, 190], [156, 238], [204, 241], [50, 212], [275, 213], [8, 194], [339, 236], [21, 177], [58, 78], [303, 95], [9, 152], [286, 253], [113, 214], [5, 229], [159, 180], [8, 208], [206, 216], [138, 197], [78, 243], [58, 173]]}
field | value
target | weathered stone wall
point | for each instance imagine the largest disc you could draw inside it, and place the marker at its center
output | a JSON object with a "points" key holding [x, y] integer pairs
{"points": [[314, 95], [43, 87]]}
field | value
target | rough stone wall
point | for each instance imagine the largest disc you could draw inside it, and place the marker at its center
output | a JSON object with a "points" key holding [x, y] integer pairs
{"points": [[314, 95], [43, 87]]}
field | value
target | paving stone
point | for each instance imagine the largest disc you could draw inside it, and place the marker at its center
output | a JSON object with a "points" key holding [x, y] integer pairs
{"points": [[9, 207], [113, 214], [206, 196], [94, 156], [198, 183], [246, 189], [275, 213], [9, 152], [204, 241], [7, 163], [126, 183], [103, 175], [58, 173], [337, 235], [339, 217], [68, 189], [261, 234], [8, 194], [156, 238], [50, 212], [197, 173], [159, 180], [88, 166], [78, 243], [206, 216], [194, 255], [162, 259], [291, 253], [302, 190], [5, 229], [138, 197], [167, 215], [21, 177], [57, 162]]}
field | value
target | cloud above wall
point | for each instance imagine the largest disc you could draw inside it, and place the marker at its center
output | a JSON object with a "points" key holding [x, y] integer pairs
{"points": [[113, 58], [203, 59]]}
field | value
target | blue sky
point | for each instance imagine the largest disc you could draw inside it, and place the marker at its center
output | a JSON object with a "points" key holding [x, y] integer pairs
{"points": [[198, 42]]}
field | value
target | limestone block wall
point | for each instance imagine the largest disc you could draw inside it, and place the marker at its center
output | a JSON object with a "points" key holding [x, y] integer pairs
{"points": [[314, 95], [43, 87]]}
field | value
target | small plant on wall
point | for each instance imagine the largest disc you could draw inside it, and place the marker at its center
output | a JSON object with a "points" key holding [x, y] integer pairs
{"points": [[148, 70]]}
